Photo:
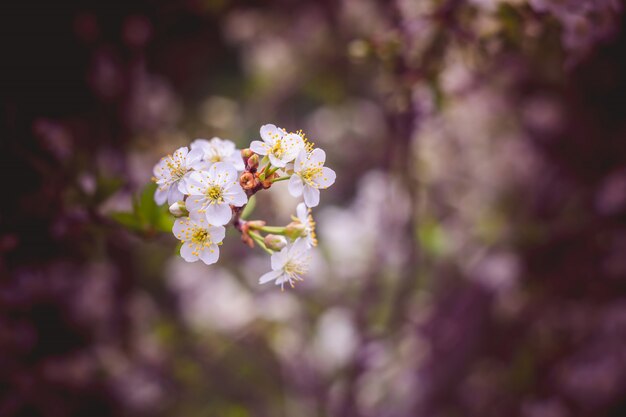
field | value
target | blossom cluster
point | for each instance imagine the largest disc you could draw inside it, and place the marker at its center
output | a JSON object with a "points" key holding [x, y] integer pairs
{"points": [[208, 185]]}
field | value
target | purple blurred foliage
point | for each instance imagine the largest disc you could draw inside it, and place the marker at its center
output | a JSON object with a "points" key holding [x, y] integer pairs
{"points": [[473, 251]]}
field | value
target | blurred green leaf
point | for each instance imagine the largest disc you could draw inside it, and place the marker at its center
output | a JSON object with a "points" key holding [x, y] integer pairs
{"points": [[106, 187], [146, 216], [431, 236], [127, 219]]}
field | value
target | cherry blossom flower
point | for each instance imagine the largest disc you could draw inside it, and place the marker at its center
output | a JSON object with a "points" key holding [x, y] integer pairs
{"points": [[217, 150], [303, 215], [200, 240], [212, 192], [310, 175], [280, 147], [170, 172], [289, 264]]}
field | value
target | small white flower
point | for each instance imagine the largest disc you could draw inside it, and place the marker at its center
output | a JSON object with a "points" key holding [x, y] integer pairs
{"points": [[212, 192], [303, 215], [217, 150], [200, 240], [289, 264], [280, 147], [169, 173], [310, 175]]}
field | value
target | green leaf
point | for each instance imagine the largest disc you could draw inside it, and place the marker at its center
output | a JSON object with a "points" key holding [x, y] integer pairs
{"points": [[127, 219], [146, 215]]}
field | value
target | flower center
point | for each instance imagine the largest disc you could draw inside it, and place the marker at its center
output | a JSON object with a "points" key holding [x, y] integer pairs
{"points": [[215, 193], [309, 174], [294, 269], [176, 169], [216, 158], [277, 149], [200, 237]]}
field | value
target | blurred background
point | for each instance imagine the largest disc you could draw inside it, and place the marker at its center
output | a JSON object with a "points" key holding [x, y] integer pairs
{"points": [[472, 257]]}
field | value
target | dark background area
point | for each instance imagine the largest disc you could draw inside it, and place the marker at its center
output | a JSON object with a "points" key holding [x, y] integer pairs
{"points": [[472, 257]]}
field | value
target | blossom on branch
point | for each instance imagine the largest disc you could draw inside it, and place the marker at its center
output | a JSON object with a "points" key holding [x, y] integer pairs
{"points": [[279, 146], [289, 264], [212, 192], [217, 150], [170, 172], [200, 240], [311, 176]]}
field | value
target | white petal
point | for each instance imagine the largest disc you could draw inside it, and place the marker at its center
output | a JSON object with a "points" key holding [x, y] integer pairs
{"points": [[218, 214], [201, 165], [277, 162], [298, 248], [311, 196], [217, 233], [181, 153], [196, 182], [224, 146], [295, 185], [279, 259], [159, 168], [194, 156], [302, 213], [225, 172], [236, 160], [199, 144], [259, 147], [180, 226], [174, 195], [326, 179], [182, 185], [293, 144], [210, 255], [270, 276], [317, 157], [194, 204], [160, 195], [235, 195], [269, 133], [186, 252], [301, 161]]}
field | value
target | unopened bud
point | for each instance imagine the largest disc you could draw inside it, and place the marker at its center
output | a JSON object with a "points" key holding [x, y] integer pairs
{"points": [[275, 242], [255, 224], [295, 230], [268, 181], [253, 162], [178, 209], [246, 153], [248, 181]]}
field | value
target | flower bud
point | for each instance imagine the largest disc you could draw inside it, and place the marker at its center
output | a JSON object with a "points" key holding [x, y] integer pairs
{"points": [[268, 181], [295, 230], [248, 181], [255, 224], [253, 162], [275, 242], [246, 153], [178, 209]]}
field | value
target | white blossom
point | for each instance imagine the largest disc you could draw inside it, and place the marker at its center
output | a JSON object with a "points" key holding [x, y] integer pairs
{"points": [[200, 240], [289, 264], [212, 192], [310, 175], [217, 150], [303, 215], [170, 172], [280, 147]]}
